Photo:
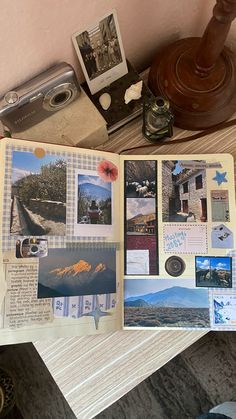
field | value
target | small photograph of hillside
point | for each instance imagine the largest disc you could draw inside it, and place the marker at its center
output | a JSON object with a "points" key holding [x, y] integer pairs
{"points": [[165, 303], [67, 272], [94, 200], [141, 216], [214, 271], [38, 195], [140, 178]]}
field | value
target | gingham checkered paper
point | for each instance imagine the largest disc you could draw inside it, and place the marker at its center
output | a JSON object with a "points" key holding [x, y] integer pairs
{"points": [[223, 291], [75, 161]]}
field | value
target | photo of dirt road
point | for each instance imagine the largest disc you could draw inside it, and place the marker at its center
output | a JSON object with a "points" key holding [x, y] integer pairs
{"points": [[38, 195]]}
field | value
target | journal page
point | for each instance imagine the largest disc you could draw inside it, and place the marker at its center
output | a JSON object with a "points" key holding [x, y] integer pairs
{"points": [[178, 233], [60, 241]]}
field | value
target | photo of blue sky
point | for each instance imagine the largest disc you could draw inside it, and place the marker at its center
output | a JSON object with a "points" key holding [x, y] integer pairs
{"points": [[217, 263], [95, 181], [178, 165], [25, 163], [134, 288], [178, 169]]}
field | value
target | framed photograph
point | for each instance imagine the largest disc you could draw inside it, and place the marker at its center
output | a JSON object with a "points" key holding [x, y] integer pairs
{"points": [[213, 271], [93, 215], [100, 52]]}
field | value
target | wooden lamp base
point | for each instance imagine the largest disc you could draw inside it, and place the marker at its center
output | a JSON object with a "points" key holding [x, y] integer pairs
{"points": [[198, 75], [197, 103]]}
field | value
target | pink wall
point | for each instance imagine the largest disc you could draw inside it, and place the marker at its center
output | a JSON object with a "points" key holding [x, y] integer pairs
{"points": [[36, 34]]}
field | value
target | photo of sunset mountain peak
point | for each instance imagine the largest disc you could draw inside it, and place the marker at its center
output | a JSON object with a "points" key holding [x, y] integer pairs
{"points": [[93, 274]]}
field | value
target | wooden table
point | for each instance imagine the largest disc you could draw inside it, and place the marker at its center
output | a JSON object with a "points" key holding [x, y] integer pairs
{"points": [[95, 371]]}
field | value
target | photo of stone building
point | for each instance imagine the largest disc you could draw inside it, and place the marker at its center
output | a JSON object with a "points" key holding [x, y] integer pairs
{"points": [[184, 192], [142, 224]]}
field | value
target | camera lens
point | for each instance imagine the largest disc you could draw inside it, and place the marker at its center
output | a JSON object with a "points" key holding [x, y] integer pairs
{"points": [[34, 249], [60, 98]]}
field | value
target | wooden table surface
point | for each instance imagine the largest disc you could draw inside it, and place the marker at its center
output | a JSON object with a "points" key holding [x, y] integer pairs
{"points": [[95, 371]]}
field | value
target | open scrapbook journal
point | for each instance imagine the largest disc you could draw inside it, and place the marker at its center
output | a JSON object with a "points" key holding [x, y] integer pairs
{"points": [[93, 242]]}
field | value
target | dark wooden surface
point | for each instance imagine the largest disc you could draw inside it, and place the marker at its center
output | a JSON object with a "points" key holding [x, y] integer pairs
{"points": [[190, 384], [197, 75], [201, 377], [37, 395]]}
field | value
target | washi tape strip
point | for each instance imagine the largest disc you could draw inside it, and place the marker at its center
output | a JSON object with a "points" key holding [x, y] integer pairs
{"points": [[93, 245]]}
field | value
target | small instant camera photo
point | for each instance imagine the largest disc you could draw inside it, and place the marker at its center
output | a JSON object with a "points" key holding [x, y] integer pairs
{"points": [[38, 98], [28, 247]]}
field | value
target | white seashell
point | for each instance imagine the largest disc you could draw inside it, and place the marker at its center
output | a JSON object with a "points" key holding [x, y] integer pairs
{"points": [[105, 101], [133, 92]]}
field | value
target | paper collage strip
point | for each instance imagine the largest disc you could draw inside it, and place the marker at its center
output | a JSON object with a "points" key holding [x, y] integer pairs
{"points": [[141, 255]]}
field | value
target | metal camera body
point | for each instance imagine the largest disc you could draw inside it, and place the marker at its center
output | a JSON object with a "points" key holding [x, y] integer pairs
{"points": [[38, 98], [33, 248]]}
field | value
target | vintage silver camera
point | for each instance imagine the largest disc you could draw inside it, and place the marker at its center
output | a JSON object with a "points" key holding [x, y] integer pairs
{"points": [[29, 247], [38, 98]]}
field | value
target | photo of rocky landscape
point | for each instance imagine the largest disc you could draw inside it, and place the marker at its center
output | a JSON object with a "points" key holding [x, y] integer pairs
{"points": [[165, 304]]}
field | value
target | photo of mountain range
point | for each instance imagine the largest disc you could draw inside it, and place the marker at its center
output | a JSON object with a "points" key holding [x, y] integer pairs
{"points": [[96, 191], [68, 272], [94, 200], [167, 304]]}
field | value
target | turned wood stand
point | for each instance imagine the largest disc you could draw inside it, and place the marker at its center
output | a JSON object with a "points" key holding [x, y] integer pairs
{"points": [[198, 75]]}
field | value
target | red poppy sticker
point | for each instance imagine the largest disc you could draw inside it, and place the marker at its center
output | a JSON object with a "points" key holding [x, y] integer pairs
{"points": [[107, 171]]}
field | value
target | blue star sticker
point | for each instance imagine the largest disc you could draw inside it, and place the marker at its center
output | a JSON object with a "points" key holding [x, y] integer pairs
{"points": [[220, 177], [97, 313]]}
